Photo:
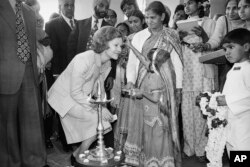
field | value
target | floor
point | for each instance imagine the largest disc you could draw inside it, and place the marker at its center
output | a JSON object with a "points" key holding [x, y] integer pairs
{"points": [[58, 158]]}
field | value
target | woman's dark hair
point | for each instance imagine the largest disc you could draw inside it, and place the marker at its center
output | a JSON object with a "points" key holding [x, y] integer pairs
{"points": [[103, 36], [158, 8], [237, 1], [123, 24], [239, 36], [138, 13], [129, 2], [113, 12], [178, 8]]}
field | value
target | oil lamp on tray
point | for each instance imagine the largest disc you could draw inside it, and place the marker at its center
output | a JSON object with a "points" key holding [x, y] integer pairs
{"points": [[100, 156]]}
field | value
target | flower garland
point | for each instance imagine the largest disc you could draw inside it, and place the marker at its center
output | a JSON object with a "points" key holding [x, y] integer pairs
{"points": [[217, 127]]}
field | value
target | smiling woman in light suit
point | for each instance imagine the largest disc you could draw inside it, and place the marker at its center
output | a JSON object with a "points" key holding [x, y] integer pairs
{"points": [[69, 95]]}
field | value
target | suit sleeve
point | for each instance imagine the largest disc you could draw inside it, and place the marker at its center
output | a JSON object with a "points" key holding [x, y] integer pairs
{"points": [[78, 79], [73, 42], [51, 31]]}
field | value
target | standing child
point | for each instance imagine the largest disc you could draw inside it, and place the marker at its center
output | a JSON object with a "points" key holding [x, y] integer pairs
{"points": [[237, 89]]}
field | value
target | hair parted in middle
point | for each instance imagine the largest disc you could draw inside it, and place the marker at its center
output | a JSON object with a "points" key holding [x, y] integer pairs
{"points": [[103, 36], [158, 8]]}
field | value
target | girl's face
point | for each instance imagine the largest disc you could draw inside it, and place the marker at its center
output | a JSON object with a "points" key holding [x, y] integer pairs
{"points": [[244, 10], [180, 15], [191, 7], [123, 30], [153, 20], [135, 23], [127, 9], [114, 48], [232, 10]]}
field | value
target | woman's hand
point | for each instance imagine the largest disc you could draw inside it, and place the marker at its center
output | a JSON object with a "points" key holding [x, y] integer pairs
{"points": [[106, 115], [128, 43], [197, 47], [182, 34], [199, 31]]}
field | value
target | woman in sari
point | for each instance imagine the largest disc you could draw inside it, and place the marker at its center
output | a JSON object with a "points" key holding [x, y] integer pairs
{"points": [[197, 78], [138, 151]]}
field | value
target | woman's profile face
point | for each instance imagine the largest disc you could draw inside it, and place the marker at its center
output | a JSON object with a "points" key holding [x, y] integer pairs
{"points": [[153, 20], [232, 10], [135, 23], [244, 10], [114, 48], [191, 7]]}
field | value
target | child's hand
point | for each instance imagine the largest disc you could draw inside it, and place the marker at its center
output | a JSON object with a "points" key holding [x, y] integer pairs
{"points": [[136, 93], [221, 100]]}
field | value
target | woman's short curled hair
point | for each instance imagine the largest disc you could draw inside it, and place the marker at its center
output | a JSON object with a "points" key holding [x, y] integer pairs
{"points": [[103, 36]]}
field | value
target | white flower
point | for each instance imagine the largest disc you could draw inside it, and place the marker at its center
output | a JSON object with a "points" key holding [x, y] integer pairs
{"points": [[217, 136]]}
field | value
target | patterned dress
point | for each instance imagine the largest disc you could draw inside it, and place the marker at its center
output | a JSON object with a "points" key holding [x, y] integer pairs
{"points": [[197, 77]]}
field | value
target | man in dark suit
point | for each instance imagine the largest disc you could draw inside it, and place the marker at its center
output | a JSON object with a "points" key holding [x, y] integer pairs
{"points": [[21, 139], [58, 30]]}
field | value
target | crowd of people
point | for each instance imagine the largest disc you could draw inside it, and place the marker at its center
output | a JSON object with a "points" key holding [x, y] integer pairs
{"points": [[150, 69]]}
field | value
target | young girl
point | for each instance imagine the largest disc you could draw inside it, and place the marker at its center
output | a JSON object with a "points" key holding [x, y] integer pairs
{"points": [[156, 129], [197, 77]]}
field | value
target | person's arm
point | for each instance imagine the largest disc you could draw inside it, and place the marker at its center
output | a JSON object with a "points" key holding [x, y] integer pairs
{"points": [[218, 34], [142, 59], [153, 96], [77, 82], [178, 68]]}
